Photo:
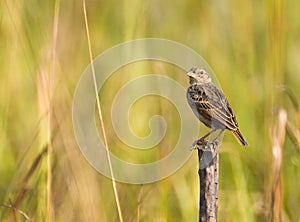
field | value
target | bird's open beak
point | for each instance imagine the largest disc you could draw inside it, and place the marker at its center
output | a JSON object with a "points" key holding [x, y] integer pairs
{"points": [[191, 74]]}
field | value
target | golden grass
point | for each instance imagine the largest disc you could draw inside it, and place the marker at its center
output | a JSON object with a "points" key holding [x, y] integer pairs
{"points": [[253, 48], [99, 110]]}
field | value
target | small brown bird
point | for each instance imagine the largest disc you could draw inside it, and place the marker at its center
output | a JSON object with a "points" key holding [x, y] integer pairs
{"points": [[210, 105]]}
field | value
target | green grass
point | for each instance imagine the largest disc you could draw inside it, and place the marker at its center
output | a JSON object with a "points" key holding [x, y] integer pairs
{"points": [[253, 48]]}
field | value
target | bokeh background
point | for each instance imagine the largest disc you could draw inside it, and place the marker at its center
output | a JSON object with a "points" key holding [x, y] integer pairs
{"points": [[253, 47]]}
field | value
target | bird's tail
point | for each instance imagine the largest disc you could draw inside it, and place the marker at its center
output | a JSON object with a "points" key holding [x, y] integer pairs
{"points": [[240, 137]]}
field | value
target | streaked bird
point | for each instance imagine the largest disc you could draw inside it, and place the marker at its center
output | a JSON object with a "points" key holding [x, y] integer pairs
{"points": [[210, 105]]}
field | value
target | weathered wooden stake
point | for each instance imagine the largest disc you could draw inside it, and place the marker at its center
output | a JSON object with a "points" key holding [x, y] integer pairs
{"points": [[208, 157]]}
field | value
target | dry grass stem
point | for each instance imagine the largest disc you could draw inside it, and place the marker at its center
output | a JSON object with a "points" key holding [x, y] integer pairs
{"points": [[139, 204], [24, 189], [277, 149], [100, 115], [16, 210], [50, 208], [294, 134]]}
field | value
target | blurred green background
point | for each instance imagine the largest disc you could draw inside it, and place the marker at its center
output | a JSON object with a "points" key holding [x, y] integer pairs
{"points": [[253, 47]]}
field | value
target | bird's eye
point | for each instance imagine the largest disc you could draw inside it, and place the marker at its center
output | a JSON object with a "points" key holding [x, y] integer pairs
{"points": [[201, 72]]}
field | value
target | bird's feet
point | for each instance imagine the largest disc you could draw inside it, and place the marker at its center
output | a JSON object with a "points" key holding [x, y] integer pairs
{"points": [[204, 145], [198, 144], [207, 151]]}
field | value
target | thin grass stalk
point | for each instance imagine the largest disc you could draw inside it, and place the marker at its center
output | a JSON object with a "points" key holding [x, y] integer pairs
{"points": [[294, 132], [14, 209], [274, 76], [50, 209], [139, 204], [277, 149], [25, 184], [100, 115]]}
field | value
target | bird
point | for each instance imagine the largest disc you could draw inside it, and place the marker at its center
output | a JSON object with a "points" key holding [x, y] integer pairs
{"points": [[210, 105]]}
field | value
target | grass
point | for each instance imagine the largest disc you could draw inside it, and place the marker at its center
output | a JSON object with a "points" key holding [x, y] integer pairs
{"points": [[253, 51]]}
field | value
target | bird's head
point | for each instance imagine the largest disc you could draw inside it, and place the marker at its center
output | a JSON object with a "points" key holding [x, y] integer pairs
{"points": [[198, 76]]}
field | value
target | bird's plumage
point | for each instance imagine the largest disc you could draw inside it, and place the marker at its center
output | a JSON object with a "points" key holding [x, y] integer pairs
{"points": [[210, 105]]}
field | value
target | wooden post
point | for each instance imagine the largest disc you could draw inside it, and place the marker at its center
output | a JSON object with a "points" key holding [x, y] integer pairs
{"points": [[208, 157]]}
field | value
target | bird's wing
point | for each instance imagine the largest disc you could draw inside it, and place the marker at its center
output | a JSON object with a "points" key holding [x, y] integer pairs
{"points": [[210, 100]]}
